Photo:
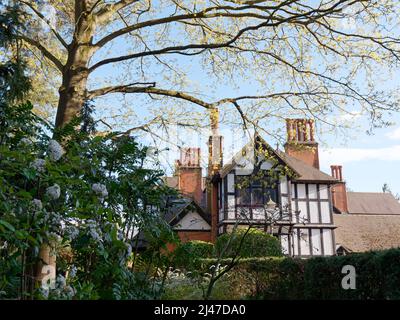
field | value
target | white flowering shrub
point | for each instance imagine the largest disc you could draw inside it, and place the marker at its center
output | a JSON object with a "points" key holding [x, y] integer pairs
{"points": [[82, 194], [100, 190], [37, 204], [61, 291], [53, 192], [39, 165], [55, 150]]}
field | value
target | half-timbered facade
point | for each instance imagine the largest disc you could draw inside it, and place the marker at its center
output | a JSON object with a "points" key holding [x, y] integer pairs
{"points": [[282, 192], [303, 207]]}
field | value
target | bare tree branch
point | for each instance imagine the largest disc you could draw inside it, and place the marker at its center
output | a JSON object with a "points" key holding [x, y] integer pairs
{"points": [[41, 16], [43, 50], [109, 9], [150, 90], [226, 11], [181, 49]]}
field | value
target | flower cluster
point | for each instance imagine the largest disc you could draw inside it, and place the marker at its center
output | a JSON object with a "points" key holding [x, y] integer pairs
{"points": [[61, 290], [53, 192], [55, 150], [100, 190], [52, 218], [39, 165], [37, 205], [71, 232], [72, 272], [94, 230]]}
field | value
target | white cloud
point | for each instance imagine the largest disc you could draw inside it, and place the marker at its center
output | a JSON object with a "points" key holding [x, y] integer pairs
{"points": [[346, 155], [394, 135]]}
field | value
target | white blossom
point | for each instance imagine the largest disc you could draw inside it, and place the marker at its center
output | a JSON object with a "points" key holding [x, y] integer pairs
{"points": [[94, 231], [39, 165], [25, 141], [107, 237], [37, 204], [72, 272], [53, 218], [100, 190], [71, 232], [61, 282], [55, 150], [53, 192], [95, 234], [120, 235]]}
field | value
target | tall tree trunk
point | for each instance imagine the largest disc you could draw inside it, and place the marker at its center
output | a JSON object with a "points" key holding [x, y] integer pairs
{"points": [[75, 74], [72, 95]]}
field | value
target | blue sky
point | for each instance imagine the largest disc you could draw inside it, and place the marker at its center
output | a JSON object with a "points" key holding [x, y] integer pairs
{"points": [[368, 161]]}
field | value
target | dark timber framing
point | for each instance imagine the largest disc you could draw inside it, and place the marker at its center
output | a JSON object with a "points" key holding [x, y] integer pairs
{"points": [[292, 196]]}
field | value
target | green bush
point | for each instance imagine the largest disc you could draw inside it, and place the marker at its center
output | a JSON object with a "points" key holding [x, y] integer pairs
{"points": [[377, 277], [256, 243], [269, 277], [187, 254]]}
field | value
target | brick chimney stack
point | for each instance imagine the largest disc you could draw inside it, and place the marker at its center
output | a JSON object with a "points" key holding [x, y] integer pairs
{"points": [[189, 173], [339, 193], [300, 141]]}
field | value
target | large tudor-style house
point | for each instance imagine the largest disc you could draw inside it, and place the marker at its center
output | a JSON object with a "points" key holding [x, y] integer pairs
{"points": [[282, 192]]}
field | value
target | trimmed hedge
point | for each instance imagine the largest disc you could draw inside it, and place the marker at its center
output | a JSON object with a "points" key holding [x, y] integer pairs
{"points": [[377, 277], [187, 254], [255, 244]]}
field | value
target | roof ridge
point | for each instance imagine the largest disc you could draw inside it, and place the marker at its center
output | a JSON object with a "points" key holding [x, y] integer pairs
{"points": [[300, 168]]}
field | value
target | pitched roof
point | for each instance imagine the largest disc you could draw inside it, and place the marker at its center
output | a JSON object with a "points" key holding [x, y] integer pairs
{"points": [[303, 171], [179, 208], [229, 165], [362, 233], [248, 147], [372, 203]]}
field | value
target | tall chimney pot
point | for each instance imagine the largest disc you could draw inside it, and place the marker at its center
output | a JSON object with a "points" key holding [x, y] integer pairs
{"points": [[339, 192], [300, 141]]}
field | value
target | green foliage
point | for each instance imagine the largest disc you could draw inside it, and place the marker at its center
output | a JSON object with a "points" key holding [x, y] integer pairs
{"points": [[79, 193], [256, 243], [188, 254], [105, 184], [14, 83], [378, 276], [186, 287]]}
